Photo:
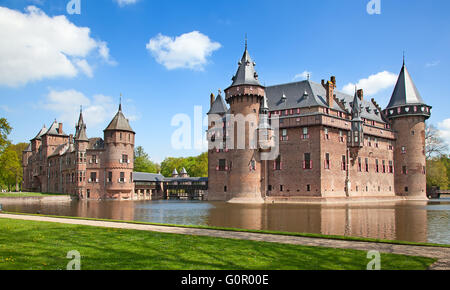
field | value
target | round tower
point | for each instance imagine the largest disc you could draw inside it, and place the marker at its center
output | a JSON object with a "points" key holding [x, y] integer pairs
{"points": [[119, 158], [244, 97], [407, 113]]}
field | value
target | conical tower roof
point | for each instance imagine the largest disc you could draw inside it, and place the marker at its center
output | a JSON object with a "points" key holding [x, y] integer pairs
{"points": [[218, 107], [80, 133], [183, 171], [246, 73], [405, 92], [119, 122]]}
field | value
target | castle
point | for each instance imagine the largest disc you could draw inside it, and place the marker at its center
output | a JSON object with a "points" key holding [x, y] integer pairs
{"points": [[88, 168], [329, 145]]}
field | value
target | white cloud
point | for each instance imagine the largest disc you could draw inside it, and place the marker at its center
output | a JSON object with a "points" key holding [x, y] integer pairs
{"points": [[304, 75], [189, 50], [444, 130], [125, 2], [433, 63], [373, 84], [97, 110], [35, 46]]}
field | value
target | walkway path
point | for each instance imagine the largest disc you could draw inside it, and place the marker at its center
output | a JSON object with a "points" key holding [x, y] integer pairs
{"points": [[442, 254]]}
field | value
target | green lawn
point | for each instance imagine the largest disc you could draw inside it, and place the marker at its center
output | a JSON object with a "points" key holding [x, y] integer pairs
{"points": [[27, 194], [41, 245]]}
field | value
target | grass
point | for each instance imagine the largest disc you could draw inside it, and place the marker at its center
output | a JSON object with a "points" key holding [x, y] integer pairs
{"points": [[28, 194], [308, 235], [44, 246]]}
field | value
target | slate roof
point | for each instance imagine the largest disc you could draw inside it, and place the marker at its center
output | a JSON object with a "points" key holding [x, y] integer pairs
{"points": [[96, 143], [405, 92], [246, 73], [119, 122], [80, 134], [63, 149], [147, 177], [306, 94], [183, 171], [54, 130], [218, 107], [40, 134]]}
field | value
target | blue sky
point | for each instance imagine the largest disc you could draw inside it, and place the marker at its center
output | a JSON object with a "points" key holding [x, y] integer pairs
{"points": [[50, 63]]}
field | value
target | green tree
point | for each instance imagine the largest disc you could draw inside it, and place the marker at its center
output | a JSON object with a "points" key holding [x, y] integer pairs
{"points": [[437, 173], [11, 169], [142, 162], [195, 166], [5, 129]]}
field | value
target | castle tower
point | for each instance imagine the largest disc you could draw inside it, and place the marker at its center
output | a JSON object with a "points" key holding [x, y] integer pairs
{"points": [[81, 145], [407, 112], [244, 97], [119, 161]]}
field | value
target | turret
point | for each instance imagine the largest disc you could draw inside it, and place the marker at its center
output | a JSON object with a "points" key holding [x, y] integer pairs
{"points": [[407, 112], [81, 143], [119, 161], [357, 133], [245, 96]]}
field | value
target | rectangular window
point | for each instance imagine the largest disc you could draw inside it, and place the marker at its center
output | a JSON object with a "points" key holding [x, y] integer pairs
{"points": [[93, 178], [222, 164], [403, 150], [377, 167], [343, 163], [404, 170], [384, 166], [341, 136], [109, 176], [278, 164], [307, 162], [308, 187], [125, 158], [326, 134], [94, 159], [327, 161], [284, 135], [359, 164], [305, 134], [391, 167], [122, 177], [281, 187], [367, 164]]}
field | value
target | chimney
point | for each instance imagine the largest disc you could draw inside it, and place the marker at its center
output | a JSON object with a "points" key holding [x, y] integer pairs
{"points": [[212, 99], [333, 80], [323, 83], [360, 94], [330, 91], [71, 138], [60, 128]]}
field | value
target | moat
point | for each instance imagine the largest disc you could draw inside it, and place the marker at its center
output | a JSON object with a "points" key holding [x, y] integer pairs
{"points": [[407, 221]]}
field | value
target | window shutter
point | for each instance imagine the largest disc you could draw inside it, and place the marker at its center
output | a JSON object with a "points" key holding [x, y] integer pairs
{"points": [[304, 164], [217, 168], [281, 165], [311, 164], [275, 165]]}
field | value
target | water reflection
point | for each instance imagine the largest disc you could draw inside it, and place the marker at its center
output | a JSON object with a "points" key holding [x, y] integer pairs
{"points": [[408, 221]]}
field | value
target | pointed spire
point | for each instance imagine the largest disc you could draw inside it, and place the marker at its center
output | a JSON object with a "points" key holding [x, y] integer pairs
{"points": [[356, 107], [218, 107], [246, 73], [405, 91], [246, 41], [264, 105], [80, 129], [120, 103]]}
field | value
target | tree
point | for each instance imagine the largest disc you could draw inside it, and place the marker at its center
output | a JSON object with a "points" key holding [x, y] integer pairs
{"points": [[142, 162], [437, 174], [195, 166], [5, 129], [10, 169], [434, 144]]}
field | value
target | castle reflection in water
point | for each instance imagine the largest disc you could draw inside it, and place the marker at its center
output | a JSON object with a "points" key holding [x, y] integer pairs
{"points": [[407, 221]]}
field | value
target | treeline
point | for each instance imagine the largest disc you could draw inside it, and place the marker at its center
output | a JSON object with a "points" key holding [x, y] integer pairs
{"points": [[438, 172], [11, 173], [195, 166]]}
